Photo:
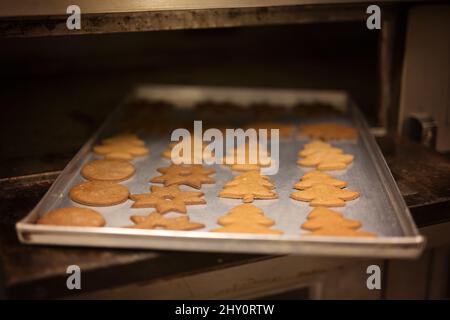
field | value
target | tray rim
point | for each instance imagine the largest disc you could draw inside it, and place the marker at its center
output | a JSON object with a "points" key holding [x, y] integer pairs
{"points": [[410, 246]]}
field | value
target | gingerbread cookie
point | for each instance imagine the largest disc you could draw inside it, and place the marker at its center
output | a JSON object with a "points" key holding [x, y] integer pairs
{"points": [[120, 151], [331, 223], [99, 193], [325, 195], [156, 220], [246, 218], [248, 178], [108, 170], [199, 157], [317, 145], [190, 175], [122, 147], [325, 222], [328, 131], [239, 159], [124, 138], [326, 159], [249, 188], [318, 177], [323, 211], [286, 130], [78, 217], [165, 199], [341, 233]]}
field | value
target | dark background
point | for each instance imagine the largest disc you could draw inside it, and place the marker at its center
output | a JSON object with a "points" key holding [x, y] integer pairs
{"points": [[56, 91]]}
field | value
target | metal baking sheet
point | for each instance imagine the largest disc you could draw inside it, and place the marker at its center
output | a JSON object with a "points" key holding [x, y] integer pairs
{"points": [[381, 208]]}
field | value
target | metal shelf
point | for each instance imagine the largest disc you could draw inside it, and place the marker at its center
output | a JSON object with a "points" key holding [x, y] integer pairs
{"points": [[48, 18], [26, 8]]}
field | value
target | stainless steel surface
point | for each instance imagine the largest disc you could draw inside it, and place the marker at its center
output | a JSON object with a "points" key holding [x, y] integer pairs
{"points": [[48, 18], [380, 208], [10, 8], [96, 23]]}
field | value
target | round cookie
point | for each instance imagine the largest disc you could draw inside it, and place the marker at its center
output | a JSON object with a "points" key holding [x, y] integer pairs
{"points": [[124, 138], [119, 156], [99, 193], [78, 217], [108, 170]]}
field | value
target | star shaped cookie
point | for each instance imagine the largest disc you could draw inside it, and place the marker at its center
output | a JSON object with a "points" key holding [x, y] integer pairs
{"points": [[165, 199], [156, 220], [191, 175]]}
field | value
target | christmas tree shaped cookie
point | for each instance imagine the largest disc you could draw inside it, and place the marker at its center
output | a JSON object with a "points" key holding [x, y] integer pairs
{"points": [[249, 187], [246, 218], [325, 222], [318, 177], [317, 146], [327, 159], [323, 156], [328, 131], [240, 158], [325, 195], [250, 176]]}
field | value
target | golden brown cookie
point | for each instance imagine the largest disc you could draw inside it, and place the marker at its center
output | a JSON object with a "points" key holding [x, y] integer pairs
{"points": [[111, 149], [325, 222], [122, 147], [326, 159], [249, 188], [247, 229], [126, 138], [248, 177], [99, 193], [331, 223], [240, 160], [119, 156], [165, 199], [286, 130], [328, 131], [156, 221], [108, 170], [78, 217], [246, 218], [341, 233], [190, 175], [323, 211], [318, 177], [317, 144], [325, 195], [168, 152]]}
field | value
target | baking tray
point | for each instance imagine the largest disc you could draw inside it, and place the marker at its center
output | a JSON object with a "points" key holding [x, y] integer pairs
{"points": [[381, 208]]}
